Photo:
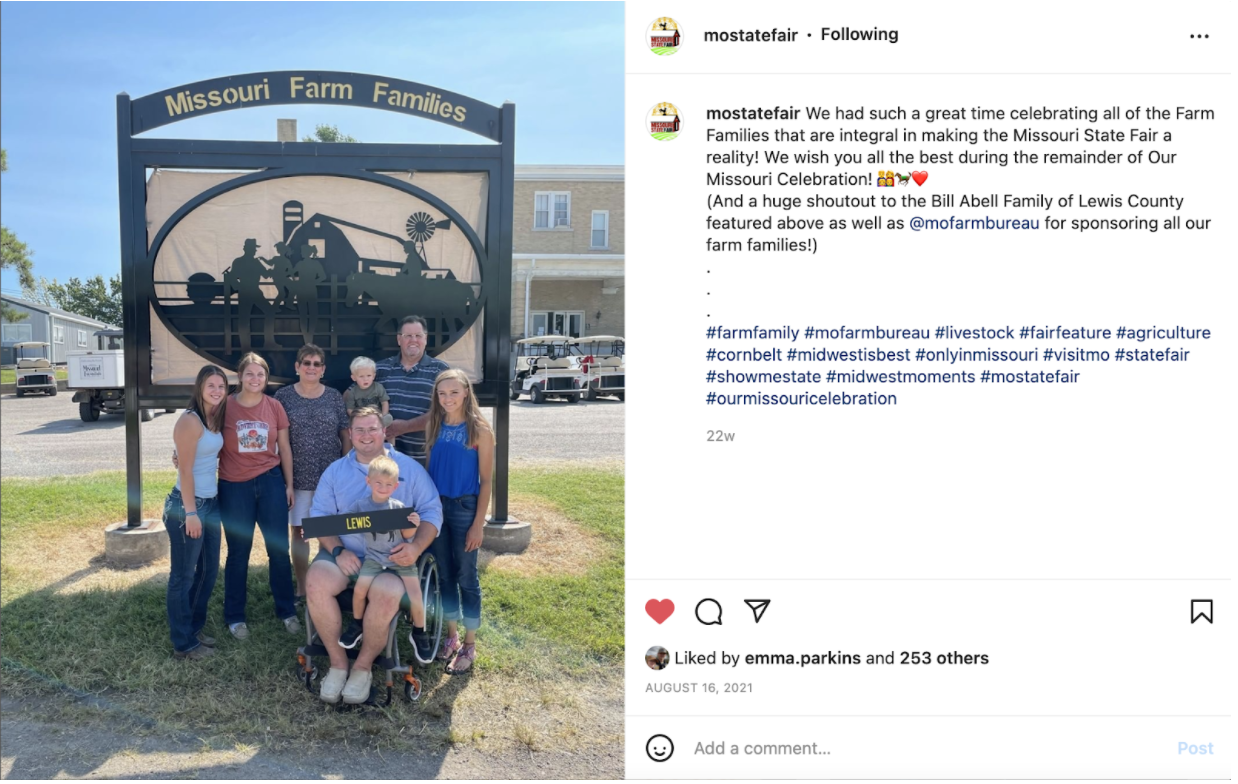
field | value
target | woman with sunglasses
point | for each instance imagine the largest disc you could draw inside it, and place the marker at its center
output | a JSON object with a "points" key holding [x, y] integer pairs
{"points": [[318, 426]]}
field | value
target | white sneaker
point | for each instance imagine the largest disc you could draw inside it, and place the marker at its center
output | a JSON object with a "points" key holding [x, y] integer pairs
{"points": [[332, 685], [357, 690]]}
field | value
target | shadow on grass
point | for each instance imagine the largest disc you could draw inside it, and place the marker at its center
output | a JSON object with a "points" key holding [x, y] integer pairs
{"points": [[108, 650], [97, 564]]}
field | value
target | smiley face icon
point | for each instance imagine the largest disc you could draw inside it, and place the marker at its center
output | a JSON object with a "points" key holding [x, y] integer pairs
{"points": [[659, 748]]}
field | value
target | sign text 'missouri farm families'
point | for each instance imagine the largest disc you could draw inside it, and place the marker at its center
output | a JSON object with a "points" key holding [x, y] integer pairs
{"points": [[301, 88]]}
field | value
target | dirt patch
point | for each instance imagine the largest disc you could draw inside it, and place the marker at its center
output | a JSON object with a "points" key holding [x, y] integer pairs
{"points": [[499, 715], [559, 546], [33, 748]]}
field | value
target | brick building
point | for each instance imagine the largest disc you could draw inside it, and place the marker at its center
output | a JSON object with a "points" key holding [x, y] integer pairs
{"points": [[568, 251]]}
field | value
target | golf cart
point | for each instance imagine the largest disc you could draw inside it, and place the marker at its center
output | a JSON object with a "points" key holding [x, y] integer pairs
{"points": [[545, 369], [34, 368], [97, 376], [601, 359]]}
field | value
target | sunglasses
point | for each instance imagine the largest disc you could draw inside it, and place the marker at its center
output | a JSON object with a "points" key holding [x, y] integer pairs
{"points": [[308, 363]]}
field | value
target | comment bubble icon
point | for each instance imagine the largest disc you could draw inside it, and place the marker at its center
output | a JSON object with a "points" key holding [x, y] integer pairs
{"points": [[709, 612]]}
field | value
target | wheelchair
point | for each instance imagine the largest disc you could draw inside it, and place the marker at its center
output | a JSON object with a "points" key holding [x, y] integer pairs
{"points": [[389, 660]]}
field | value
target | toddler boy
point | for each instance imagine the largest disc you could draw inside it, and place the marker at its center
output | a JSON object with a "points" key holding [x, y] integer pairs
{"points": [[365, 391]]}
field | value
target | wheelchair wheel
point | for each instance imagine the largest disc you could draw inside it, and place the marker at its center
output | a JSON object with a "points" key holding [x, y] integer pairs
{"points": [[307, 677], [433, 600], [412, 689]]}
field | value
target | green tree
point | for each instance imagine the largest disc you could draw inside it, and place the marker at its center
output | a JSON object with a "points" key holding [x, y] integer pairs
{"points": [[14, 254], [40, 292], [329, 133], [93, 298]]}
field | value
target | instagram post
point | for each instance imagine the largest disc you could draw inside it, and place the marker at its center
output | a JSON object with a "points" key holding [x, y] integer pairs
{"points": [[322, 474], [316, 459]]}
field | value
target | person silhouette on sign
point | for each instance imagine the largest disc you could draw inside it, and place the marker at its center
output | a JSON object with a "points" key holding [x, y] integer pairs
{"points": [[414, 262], [309, 273], [281, 275], [245, 278]]}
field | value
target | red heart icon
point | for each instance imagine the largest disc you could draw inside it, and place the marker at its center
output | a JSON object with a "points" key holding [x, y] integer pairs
{"points": [[659, 610], [919, 177]]}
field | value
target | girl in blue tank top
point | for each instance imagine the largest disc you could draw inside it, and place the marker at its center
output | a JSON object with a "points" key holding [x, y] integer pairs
{"points": [[461, 463]]}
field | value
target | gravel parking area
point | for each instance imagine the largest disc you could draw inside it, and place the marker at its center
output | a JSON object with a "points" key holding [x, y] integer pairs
{"points": [[43, 436]]}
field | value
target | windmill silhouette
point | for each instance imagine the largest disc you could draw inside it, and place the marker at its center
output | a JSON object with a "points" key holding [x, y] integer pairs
{"points": [[421, 226]]}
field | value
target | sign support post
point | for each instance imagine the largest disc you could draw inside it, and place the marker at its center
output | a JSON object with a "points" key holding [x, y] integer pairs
{"points": [[133, 433]]}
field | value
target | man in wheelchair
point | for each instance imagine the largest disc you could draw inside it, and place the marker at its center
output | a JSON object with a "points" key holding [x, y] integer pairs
{"points": [[339, 559]]}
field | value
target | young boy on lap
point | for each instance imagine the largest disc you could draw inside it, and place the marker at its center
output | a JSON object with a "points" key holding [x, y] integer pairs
{"points": [[383, 479]]}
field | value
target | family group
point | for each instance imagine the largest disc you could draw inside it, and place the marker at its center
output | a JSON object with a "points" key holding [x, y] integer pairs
{"points": [[249, 458]]}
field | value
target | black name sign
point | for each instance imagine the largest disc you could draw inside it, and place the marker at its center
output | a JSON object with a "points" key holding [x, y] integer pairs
{"points": [[357, 523]]}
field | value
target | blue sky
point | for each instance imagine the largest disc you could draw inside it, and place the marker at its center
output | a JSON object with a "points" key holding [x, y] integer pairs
{"points": [[62, 64]]}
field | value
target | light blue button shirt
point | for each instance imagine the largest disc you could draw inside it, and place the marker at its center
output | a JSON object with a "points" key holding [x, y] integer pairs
{"points": [[343, 484]]}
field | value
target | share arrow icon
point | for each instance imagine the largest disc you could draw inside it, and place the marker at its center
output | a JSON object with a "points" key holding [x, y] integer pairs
{"points": [[758, 607]]}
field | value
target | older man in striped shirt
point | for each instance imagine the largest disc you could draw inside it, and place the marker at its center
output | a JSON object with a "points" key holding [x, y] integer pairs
{"points": [[408, 378]]}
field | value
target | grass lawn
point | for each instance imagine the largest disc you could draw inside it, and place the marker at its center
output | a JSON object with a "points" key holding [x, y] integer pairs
{"points": [[549, 674], [9, 375]]}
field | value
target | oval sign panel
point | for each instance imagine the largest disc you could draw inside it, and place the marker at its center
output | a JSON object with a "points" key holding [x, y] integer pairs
{"points": [[273, 265]]}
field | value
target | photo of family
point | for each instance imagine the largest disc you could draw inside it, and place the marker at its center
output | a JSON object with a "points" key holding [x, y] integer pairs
{"points": [[324, 348]]}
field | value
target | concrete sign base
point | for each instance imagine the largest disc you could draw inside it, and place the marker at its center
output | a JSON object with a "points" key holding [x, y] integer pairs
{"points": [[510, 537], [142, 544]]}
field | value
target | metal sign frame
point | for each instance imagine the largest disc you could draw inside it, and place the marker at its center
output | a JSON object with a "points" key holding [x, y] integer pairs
{"points": [[270, 160]]}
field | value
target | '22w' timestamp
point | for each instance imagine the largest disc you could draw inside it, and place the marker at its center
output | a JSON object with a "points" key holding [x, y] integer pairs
{"points": [[719, 436]]}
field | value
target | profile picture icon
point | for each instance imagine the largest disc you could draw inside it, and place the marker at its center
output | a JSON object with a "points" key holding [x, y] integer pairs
{"points": [[657, 657], [663, 36], [663, 121]]}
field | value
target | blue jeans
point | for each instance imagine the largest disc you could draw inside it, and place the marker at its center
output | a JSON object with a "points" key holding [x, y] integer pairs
{"points": [[264, 499], [195, 565], [457, 570]]}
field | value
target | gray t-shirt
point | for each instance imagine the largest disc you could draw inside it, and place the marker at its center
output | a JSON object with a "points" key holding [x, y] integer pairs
{"points": [[355, 397], [379, 546]]}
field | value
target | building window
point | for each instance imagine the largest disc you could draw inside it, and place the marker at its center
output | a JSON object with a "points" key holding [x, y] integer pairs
{"points": [[17, 333], [567, 323], [83, 340], [552, 210], [58, 333], [600, 236]]}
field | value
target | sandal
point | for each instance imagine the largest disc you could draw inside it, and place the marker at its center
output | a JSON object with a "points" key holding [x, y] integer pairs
{"points": [[449, 648], [463, 661]]}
